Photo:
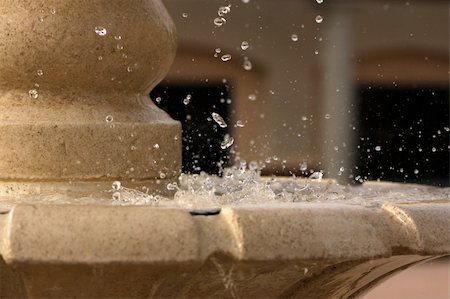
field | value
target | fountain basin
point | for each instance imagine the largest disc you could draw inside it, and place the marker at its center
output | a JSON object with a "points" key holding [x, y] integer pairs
{"points": [[304, 250]]}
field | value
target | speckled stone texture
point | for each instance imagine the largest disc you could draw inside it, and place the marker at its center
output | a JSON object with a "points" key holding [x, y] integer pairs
{"points": [[89, 66], [290, 251]]}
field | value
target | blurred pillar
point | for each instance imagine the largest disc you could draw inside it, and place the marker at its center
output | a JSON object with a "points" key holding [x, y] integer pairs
{"points": [[338, 91]]}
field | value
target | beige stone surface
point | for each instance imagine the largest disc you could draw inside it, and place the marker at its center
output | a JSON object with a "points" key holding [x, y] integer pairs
{"points": [[299, 250], [85, 61]]}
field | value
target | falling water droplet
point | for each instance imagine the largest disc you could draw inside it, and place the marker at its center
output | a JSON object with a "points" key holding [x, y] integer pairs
{"points": [[378, 148], [319, 1], [226, 57], [247, 64], [319, 19], [227, 142], [117, 185], [252, 97], [158, 100], [109, 119], [327, 116], [129, 69], [303, 166], [223, 10], [33, 93], [240, 124], [187, 99], [219, 120], [294, 37], [219, 21], [40, 73], [184, 15], [101, 31], [245, 45], [52, 10]]}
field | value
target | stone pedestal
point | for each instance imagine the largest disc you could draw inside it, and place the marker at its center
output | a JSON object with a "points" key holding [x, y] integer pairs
{"points": [[74, 107]]}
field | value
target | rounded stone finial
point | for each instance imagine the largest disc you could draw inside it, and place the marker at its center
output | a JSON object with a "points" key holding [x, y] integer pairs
{"points": [[74, 83]]}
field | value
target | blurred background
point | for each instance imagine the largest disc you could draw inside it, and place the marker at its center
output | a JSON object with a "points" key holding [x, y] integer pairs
{"points": [[356, 89]]}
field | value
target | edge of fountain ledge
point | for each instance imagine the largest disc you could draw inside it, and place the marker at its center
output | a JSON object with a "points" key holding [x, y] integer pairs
{"points": [[106, 234]]}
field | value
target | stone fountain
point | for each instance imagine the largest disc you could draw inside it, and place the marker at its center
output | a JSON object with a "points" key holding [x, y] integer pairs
{"points": [[75, 117]]}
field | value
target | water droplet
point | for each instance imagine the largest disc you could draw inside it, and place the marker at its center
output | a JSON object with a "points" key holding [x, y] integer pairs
{"points": [[117, 37], [304, 118], [252, 97], [52, 10], [187, 99], [184, 15], [245, 45], [294, 37], [303, 166], [172, 186], [162, 175], [219, 21], [158, 100], [219, 120], [433, 149], [129, 69], [226, 57], [101, 31], [109, 119], [100, 58], [223, 10], [116, 196], [318, 175], [156, 146], [240, 124], [378, 148], [227, 142], [40, 73], [319, 1], [319, 19], [247, 64], [416, 171], [341, 171], [327, 116], [33, 93], [117, 185]]}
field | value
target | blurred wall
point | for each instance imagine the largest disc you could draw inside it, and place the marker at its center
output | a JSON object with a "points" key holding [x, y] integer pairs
{"points": [[305, 89]]}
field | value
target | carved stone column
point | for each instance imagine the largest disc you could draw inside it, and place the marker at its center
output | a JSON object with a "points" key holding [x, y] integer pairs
{"points": [[74, 107]]}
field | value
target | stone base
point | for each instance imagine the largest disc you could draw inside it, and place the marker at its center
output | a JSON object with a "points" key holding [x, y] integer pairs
{"points": [[289, 250]]}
